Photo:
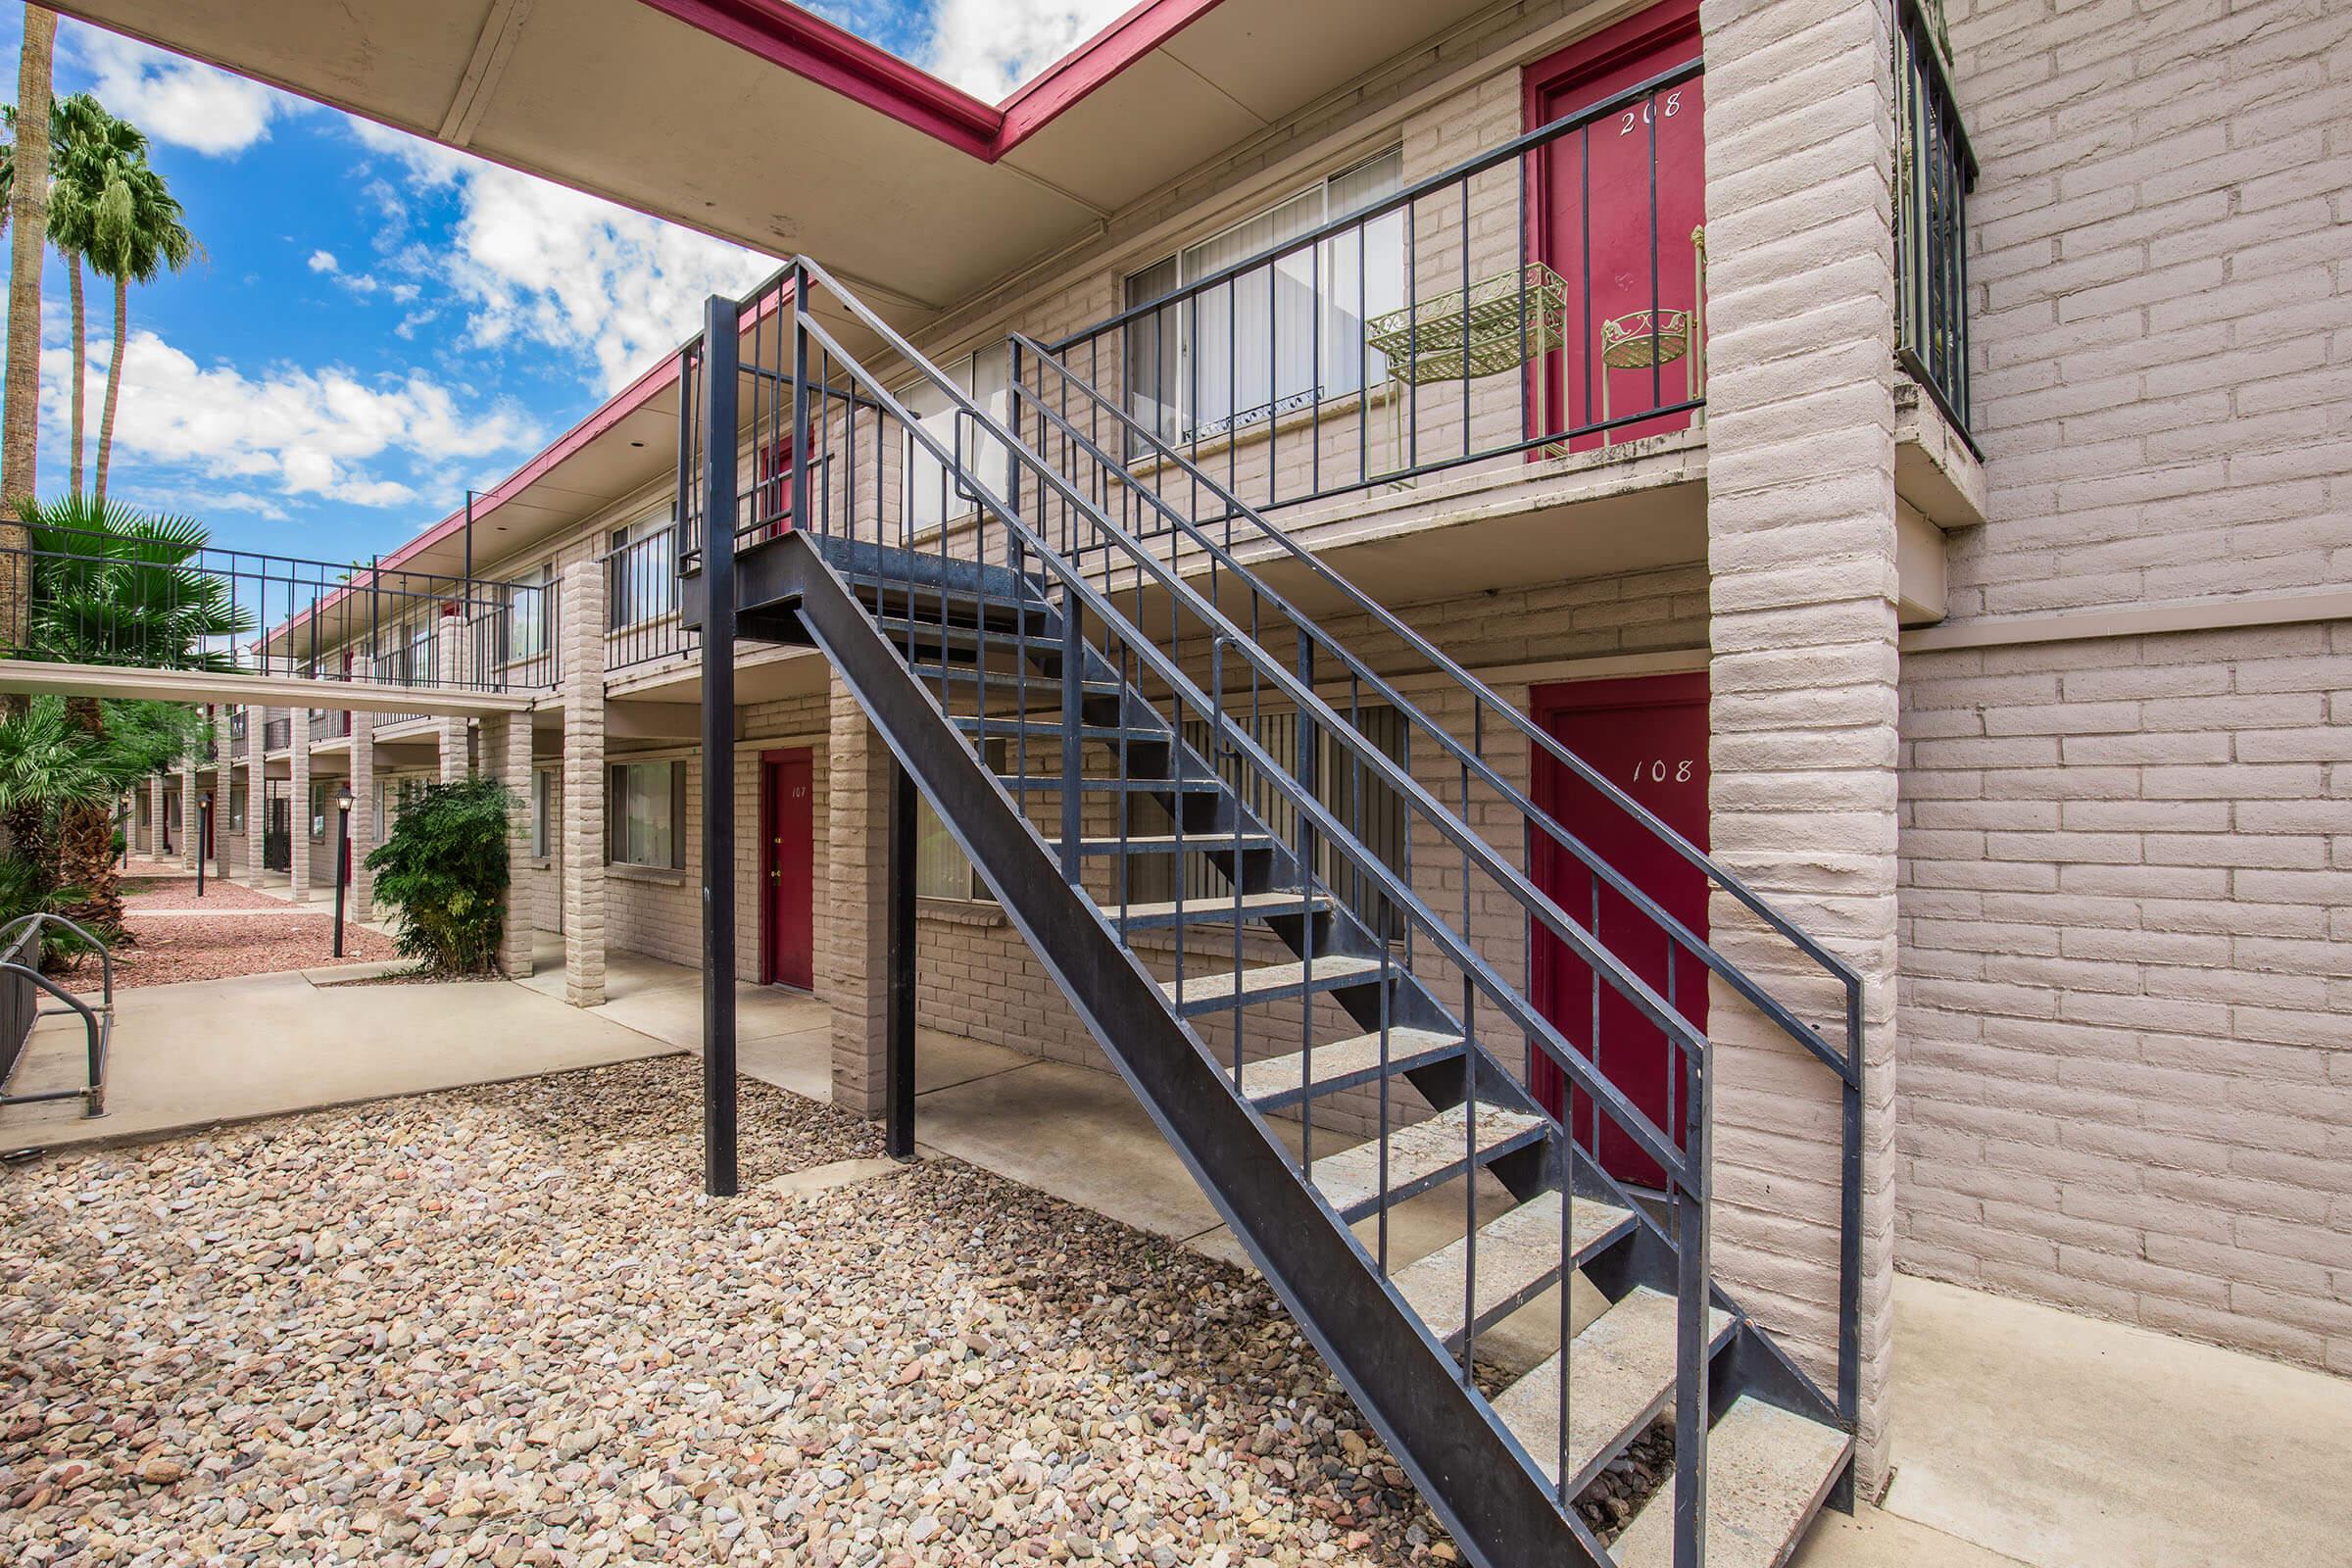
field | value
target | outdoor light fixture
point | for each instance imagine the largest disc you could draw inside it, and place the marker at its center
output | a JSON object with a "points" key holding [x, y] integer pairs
{"points": [[343, 804]]}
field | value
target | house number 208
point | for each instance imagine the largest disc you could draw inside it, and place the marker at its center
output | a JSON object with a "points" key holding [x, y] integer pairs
{"points": [[1657, 771], [1648, 112]]}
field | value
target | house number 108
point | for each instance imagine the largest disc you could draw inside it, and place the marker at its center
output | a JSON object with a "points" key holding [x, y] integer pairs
{"points": [[1659, 770]]}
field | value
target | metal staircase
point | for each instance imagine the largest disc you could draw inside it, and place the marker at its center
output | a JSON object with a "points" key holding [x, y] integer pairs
{"points": [[1275, 915]]}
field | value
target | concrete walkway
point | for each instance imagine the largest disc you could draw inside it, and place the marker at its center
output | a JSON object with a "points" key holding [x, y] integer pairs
{"points": [[205, 1051]]}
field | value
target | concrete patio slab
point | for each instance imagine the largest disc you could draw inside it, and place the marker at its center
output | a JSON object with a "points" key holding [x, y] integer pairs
{"points": [[205, 1051], [2070, 1442]]}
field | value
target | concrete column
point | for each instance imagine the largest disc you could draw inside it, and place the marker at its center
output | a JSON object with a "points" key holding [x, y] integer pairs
{"points": [[506, 756], [581, 638], [189, 842], [256, 806], [300, 815], [223, 783], [155, 816], [854, 975], [363, 815], [1802, 548], [453, 669]]}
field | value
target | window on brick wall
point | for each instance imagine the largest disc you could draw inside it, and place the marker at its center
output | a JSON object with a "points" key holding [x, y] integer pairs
{"points": [[646, 810], [645, 572], [543, 822], [1343, 787], [236, 811], [942, 870], [1275, 337], [930, 495]]}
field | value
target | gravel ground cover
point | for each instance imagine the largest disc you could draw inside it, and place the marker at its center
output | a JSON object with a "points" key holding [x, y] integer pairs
{"points": [[178, 892], [169, 948], [503, 1326]]}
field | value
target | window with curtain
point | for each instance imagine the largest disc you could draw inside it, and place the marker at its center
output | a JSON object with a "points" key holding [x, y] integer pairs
{"points": [[647, 810], [542, 795], [1279, 335], [526, 613], [1343, 786], [928, 496], [643, 581], [942, 870]]}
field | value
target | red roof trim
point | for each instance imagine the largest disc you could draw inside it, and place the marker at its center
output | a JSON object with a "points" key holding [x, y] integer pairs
{"points": [[807, 45]]}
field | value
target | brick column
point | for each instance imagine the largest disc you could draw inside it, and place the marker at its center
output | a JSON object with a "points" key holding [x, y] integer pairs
{"points": [[299, 817], [363, 815], [507, 758], [255, 805], [1802, 548], [225, 782], [581, 638], [453, 669], [155, 816], [851, 970], [189, 843]]}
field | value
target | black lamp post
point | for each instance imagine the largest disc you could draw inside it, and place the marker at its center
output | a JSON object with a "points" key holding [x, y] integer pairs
{"points": [[343, 802], [204, 835]]}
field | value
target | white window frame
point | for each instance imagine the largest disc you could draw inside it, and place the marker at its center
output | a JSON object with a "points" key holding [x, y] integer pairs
{"points": [[927, 500], [645, 596], [618, 777], [542, 820], [1333, 273], [527, 611], [942, 870]]}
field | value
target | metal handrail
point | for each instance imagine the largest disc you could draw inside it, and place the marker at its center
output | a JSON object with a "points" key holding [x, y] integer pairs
{"points": [[1485, 698], [1538, 905], [97, 1022]]}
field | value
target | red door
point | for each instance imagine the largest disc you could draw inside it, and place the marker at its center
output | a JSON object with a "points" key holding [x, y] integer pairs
{"points": [[1647, 736], [788, 838], [772, 488], [1633, 336]]}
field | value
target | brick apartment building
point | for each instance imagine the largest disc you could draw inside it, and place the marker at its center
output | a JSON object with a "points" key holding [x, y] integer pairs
{"points": [[1923, 480]]}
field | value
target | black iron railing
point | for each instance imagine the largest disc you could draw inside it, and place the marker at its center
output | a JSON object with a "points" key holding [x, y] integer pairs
{"points": [[1545, 297], [641, 603], [1935, 171], [125, 600]]}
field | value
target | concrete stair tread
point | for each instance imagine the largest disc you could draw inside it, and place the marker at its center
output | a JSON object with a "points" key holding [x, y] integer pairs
{"points": [[1211, 911], [1768, 1470], [1418, 1156], [1620, 1373], [1169, 844], [1266, 980], [1342, 1061], [1518, 1256]]}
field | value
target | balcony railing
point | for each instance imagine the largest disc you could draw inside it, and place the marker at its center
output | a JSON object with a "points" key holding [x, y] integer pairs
{"points": [[1935, 171], [641, 600], [277, 734], [1544, 298], [163, 603]]}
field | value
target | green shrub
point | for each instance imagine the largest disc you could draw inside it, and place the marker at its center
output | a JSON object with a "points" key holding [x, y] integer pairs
{"points": [[445, 869]]}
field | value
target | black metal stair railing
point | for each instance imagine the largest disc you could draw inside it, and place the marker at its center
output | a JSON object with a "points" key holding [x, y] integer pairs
{"points": [[1172, 754], [1214, 542]]}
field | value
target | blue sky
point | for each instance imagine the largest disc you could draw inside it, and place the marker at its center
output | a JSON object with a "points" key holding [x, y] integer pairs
{"points": [[377, 323]]}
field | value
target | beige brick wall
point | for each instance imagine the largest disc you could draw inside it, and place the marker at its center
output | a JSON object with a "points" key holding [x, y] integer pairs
{"points": [[2128, 993], [2158, 260], [2127, 885]]}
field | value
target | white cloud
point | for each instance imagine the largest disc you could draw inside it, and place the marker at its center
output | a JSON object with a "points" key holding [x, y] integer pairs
{"points": [[312, 433], [990, 47], [537, 264], [175, 99], [323, 261]]}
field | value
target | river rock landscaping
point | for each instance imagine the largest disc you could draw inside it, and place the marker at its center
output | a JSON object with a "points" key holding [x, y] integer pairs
{"points": [[504, 1326]]}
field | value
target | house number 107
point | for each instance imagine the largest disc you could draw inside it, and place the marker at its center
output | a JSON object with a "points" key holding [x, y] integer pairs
{"points": [[1659, 770]]}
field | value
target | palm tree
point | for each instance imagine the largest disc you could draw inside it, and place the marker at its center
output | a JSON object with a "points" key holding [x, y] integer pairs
{"points": [[114, 587], [21, 392], [138, 232], [93, 158]]}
